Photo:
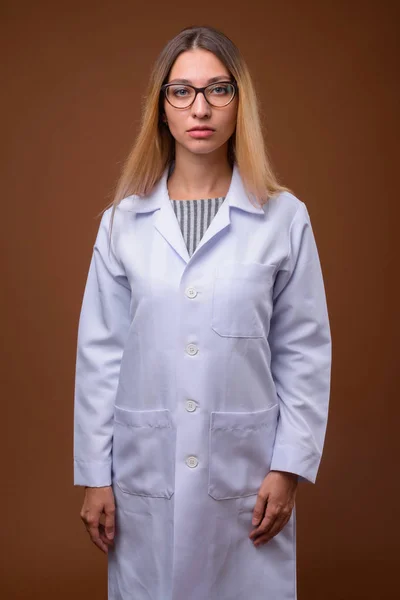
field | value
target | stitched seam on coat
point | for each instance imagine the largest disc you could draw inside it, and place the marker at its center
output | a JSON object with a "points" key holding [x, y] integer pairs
{"points": [[144, 426], [245, 427]]}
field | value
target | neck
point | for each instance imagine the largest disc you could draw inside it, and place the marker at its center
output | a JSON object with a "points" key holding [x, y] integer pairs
{"points": [[199, 176]]}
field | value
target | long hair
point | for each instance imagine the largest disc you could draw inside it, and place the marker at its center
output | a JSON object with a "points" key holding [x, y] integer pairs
{"points": [[154, 148]]}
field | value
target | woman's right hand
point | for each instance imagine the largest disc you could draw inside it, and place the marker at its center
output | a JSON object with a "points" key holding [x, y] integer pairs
{"points": [[98, 515]]}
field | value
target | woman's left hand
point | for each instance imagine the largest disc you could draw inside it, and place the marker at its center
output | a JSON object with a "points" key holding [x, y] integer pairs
{"points": [[274, 505]]}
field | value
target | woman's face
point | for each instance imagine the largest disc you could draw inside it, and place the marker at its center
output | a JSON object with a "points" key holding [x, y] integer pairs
{"points": [[198, 67]]}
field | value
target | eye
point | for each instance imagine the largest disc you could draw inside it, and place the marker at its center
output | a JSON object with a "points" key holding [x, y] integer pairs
{"points": [[180, 91], [221, 89]]}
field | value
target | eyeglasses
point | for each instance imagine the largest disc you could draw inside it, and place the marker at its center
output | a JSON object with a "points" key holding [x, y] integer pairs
{"points": [[216, 94]]}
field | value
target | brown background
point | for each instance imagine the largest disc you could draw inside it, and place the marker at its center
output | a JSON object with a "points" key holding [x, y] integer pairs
{"points": [[73, 77]]}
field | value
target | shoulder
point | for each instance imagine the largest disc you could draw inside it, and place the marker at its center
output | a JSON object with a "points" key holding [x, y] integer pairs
{"points": [[115, 220], [286, 209]]}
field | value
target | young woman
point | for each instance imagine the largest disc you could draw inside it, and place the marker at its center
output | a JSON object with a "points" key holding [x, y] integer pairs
{"points": [[204, 347]]}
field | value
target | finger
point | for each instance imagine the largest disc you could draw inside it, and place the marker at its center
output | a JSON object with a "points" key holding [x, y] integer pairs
{"points": [[277, 527], [110, 522], [100, 544], [103, 522], [103, 536], [92, 525], [96, 539], [271, 514], [259, 509]]}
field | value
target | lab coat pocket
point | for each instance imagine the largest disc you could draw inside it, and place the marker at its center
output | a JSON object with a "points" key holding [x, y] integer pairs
{"points": [[144, 452], [242, 298], [240, 451]]}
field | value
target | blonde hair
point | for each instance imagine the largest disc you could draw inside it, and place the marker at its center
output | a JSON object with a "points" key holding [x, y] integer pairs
{"points": [[154, 147]]}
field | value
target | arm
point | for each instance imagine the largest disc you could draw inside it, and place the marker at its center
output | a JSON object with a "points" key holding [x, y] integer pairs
{"points": [[300, 343], [103, 328]]}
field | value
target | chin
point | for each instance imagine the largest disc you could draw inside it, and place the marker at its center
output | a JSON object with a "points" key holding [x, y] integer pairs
{"points": [[203, 150], [201, 146]]}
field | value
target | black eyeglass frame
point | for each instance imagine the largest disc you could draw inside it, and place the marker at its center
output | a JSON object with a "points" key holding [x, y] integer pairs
{"points": [[197, 91]]}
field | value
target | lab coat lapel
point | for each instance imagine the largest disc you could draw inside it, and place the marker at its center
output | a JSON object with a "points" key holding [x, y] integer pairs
{"points": [[168, 226], [165, 221], [236, 197]]}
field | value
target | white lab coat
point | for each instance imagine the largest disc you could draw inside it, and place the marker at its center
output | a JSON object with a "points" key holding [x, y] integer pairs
{"points": [[194, 377]]}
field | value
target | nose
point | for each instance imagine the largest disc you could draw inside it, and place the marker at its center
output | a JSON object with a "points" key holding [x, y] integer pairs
{"points": [[200, 107]]}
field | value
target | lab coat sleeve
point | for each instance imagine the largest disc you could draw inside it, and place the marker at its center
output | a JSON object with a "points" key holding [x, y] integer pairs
{"points": [[102, 331], [300, 343]]}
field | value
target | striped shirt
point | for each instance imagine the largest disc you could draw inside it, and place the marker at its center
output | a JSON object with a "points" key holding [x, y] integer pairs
{"points": [[194, 217]]}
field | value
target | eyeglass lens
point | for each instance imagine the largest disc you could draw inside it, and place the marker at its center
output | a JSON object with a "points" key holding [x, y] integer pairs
{"points": [[219, 94]]}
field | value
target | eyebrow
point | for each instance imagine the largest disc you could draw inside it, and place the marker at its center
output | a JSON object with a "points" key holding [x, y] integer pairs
{"points": [[212, 80]]}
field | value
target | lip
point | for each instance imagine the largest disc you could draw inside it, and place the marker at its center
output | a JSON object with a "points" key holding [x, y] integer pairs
{"points": [[201, 133]]}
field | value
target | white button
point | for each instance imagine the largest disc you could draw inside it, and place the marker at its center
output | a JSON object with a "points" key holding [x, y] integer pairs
{"points": [[192, 349], [190, 405], [191, 292], [192, 462]]}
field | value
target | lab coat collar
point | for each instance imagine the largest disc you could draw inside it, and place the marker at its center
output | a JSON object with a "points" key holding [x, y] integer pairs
{"points": [[167, 224], [236, 196]]}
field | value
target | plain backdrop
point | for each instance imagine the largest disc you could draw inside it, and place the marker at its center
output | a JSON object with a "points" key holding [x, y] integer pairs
{"points": [[73, 77]]}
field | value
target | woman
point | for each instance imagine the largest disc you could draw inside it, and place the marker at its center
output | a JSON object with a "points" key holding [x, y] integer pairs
{"points": [[204, 349]]}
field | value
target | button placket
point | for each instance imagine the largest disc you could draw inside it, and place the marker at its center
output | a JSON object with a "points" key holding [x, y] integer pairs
{"points": [[190, 405]]}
